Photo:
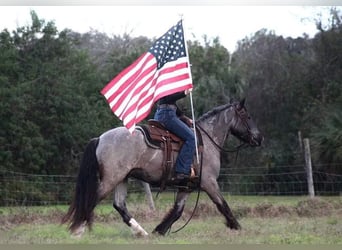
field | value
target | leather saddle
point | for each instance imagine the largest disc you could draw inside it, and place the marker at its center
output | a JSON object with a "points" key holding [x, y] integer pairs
{"points": [[158, 137]]}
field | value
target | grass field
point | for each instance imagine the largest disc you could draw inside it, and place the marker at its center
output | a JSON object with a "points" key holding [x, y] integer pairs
{"points": [[264, 219]]}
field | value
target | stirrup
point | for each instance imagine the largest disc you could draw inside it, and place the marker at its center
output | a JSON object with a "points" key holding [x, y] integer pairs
{"points": [[192, 173], [179, 182]]}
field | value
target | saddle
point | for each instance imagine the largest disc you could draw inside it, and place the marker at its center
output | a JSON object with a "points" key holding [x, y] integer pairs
{"points": [[158, 137]]}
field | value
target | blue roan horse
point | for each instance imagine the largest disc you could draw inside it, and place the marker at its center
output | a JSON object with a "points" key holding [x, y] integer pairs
{"points": [[116, 155]]}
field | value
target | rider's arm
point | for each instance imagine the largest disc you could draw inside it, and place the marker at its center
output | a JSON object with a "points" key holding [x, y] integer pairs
{"points": [[186, 120]]}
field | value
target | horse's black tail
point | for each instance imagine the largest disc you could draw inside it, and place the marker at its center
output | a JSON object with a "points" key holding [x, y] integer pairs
{"points": [[85, 198]]}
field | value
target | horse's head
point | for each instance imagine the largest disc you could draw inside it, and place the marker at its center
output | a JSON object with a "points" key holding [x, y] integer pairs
{"points": [[245, 128]]}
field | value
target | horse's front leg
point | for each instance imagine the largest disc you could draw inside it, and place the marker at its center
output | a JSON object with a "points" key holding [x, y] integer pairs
{"points": [[119, 204], [211, 187], [173, 215]]}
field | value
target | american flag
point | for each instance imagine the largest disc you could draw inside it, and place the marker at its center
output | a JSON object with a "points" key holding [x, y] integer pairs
{"points": [[162, 70]]}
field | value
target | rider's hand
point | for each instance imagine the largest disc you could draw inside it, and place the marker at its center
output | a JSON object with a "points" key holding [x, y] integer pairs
{"points": [[187, 91]]}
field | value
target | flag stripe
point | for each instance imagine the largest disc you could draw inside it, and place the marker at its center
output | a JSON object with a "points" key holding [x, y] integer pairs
{"points": [[134, 100], [122, 100], [122, 77], [120, 84], [130, 84]]}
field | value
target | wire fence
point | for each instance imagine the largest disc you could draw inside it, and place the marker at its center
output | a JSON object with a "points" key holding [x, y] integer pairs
{"points": [[278, 180], [30, 189]]}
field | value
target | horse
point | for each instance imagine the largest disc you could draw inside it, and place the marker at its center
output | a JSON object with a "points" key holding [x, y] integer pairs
{"points": [[116, 155]]}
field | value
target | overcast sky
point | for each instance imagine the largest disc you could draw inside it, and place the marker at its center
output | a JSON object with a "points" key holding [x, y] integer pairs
{"points": [[230, 23]]}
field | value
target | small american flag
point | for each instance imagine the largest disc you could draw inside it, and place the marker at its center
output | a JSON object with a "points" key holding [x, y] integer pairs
{"points": [[161, 71]]}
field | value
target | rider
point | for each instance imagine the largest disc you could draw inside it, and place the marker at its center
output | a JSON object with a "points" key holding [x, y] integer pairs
{"points": [[172, 118]]}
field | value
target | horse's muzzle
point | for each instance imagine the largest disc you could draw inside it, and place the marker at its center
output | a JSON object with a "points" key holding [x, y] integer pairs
{"points": [[256, 140]]}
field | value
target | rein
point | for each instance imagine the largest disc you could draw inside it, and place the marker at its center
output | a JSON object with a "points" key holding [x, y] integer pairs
{"points": [[242, 145], [197, 199]]}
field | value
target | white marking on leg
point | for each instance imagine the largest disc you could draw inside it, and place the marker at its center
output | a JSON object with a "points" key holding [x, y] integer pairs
{"points": [[136, 228], [78, 232]]}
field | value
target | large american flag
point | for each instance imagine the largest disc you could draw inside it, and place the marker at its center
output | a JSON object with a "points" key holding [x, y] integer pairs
{"points": [[161, 71]]}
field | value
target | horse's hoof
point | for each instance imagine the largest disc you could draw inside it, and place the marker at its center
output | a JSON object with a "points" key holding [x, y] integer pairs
{"points": [[155, 232], [77, 234], [140, 234], [235, 226]]}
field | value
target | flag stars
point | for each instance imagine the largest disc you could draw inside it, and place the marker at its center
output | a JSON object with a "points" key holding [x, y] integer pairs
{"points": [[170, 46]]}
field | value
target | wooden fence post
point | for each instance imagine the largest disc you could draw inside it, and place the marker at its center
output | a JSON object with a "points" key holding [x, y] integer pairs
{"points": [[308, 167], [300, 141]]}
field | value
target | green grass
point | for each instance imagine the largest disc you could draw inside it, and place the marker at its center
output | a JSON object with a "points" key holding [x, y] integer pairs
{"points": [[268, 220], [199, 231]]}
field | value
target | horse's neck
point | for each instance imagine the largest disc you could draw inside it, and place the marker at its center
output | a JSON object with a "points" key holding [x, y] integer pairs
{"points": [[218, 126]]}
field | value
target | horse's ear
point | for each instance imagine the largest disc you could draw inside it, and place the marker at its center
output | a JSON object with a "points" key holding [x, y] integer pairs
{"points": [[231, 101], [242, 102]]}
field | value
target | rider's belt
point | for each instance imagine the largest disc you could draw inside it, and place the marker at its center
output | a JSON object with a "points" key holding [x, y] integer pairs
{"points": [[170, 106]]}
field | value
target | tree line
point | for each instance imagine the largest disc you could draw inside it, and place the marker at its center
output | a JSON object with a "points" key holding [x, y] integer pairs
{"points": [[51, 105]]}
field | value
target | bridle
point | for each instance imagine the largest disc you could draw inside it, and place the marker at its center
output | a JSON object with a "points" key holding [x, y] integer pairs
{"points": [[243, 116]]}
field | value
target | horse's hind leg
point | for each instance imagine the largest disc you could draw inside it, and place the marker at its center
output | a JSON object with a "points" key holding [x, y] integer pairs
{"points": [[120, 194], [173, 215], [212, 189], [104, 187]]}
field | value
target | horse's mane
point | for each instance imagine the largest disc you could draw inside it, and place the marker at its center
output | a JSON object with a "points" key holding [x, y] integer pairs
{"points": [[213, 112]]}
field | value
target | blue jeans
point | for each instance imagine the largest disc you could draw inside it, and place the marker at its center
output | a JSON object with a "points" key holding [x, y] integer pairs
{"points": [[170, 120]]}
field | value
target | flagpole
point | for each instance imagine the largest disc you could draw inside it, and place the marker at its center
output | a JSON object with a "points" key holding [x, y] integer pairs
{"points": [[190, 94]]}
